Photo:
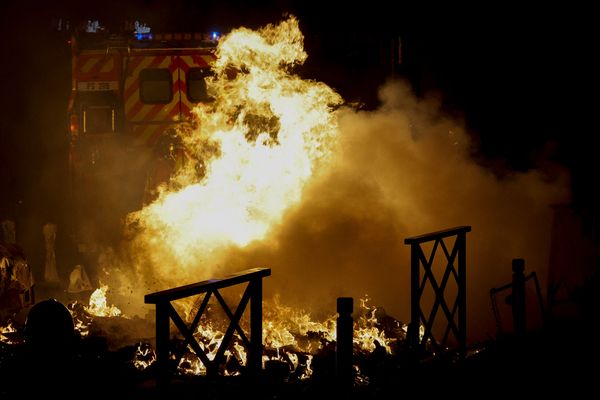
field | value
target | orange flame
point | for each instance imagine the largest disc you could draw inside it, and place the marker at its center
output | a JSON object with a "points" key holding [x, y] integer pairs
{"points": [[99, 306], [9, 328], [288, 333], [260, 143], [144, 356]]}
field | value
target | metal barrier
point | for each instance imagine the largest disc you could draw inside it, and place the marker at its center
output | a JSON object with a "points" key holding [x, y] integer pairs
{"points": [[344, 342], [458, 310], [517, 298], [166, 312]]}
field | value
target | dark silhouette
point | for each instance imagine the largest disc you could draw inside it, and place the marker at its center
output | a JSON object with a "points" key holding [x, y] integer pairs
{"points": [[518, 296], [344, 342], [50, 346]]}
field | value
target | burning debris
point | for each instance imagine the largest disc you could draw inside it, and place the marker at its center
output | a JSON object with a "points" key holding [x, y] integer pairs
{"points": [[277, 177], [297, 348], [98, 305], [144, 356], [292, 178], [6, 331]]}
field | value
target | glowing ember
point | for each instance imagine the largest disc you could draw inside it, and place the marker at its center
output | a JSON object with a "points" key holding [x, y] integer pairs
{"points": [[9, 328], [292, 338], [210, 339], [81, 318], [287, 326], [367, 330], [144, 356], [98, 305]]}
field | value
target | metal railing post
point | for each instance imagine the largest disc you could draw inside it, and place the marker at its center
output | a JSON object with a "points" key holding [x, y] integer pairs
{"points": [[415, 298], [256, 346], [163, 332], [461, 281], [344, 332], [518, 296]]}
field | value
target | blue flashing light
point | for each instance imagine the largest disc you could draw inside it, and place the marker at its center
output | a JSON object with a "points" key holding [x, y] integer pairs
{"points": [[215, 35], [143, 36]]}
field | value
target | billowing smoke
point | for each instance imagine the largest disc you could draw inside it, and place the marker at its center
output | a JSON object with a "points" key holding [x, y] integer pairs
{"points": [[404, 169]]}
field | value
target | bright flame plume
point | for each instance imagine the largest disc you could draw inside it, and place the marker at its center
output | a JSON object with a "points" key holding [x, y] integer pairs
{"points": [[260, 142]]}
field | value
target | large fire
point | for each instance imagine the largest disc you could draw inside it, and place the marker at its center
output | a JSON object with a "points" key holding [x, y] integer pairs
{"points": [[257, 145], [291, 337], [256, 154], [279, 174]]}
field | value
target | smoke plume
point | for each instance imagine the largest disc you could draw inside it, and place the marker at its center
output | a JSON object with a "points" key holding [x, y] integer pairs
{"points": [[402, 170]]}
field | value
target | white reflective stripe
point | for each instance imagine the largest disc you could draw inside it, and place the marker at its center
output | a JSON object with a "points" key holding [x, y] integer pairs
{"points": [[91, 86]]}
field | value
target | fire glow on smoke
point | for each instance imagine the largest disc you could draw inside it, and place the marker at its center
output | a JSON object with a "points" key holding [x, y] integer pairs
{"points": [[266, 170], [260, 141], [281, 175]]}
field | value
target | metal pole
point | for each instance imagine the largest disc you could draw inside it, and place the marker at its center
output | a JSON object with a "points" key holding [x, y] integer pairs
{"points": [[162, 342], [415, 298], [255, 356], [462, 293], [344, 342], [518, 296]]}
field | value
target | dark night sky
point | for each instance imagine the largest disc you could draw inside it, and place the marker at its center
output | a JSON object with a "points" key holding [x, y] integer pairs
{"points": [[518, 75]]}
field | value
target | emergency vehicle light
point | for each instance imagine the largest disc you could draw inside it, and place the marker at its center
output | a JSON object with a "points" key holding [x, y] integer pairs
{"points": [[143, 36], [185, 36]]}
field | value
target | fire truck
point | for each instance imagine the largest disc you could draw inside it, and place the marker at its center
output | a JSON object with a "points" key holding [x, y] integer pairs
{"points": [[130, 92]]}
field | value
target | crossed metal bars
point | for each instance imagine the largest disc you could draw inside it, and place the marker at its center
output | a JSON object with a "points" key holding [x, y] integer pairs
{"points": [[166, 312], [456, 255]]}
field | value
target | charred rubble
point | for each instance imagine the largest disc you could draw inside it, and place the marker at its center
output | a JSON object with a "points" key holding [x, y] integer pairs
{"points": [[49, 354]]}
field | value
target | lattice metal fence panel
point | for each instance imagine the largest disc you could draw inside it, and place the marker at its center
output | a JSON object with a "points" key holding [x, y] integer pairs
{"points": [[165, 312], [448, 309]]}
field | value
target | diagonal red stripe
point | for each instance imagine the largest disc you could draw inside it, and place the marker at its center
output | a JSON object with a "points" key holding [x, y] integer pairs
{"points": [[98, 66], [131, 89], [134, 110], [200, 61], [174, 64], [183, 64], [174, 111], [155, 110], [134, 62], [157, 61], [134, 86], [186, 111]]}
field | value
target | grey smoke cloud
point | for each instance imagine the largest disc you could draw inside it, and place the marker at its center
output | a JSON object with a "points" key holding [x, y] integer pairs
{"points": [[399, 171]]}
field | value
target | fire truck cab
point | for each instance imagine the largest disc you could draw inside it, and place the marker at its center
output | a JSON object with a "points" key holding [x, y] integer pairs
{"points": [[129, 92]]}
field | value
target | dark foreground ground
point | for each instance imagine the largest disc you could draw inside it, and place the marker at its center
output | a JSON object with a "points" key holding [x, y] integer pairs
{"points": [[560, 359]]}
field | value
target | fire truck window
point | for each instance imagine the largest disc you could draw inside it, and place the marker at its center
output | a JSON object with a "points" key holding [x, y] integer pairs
{"points": [[99, 119], [196, 85], [156, 86]]}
